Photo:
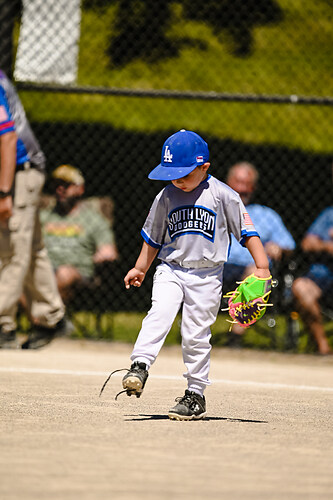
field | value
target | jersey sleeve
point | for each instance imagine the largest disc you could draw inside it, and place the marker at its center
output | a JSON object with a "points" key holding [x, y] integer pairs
{"points": [[6, 122], [239, 221], [155, 226]]}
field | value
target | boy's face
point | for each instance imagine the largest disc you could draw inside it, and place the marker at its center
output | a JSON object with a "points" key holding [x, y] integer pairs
{"points": [[192, 180]]}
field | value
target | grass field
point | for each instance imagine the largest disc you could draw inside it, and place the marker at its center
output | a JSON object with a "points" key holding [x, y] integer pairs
{"points": [[289, 57], [124, 327]]}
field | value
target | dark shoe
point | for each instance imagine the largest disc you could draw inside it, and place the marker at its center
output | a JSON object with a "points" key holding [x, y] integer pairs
{"points": [[8, 340], [192, 406], [42, 335], [134, 381]]}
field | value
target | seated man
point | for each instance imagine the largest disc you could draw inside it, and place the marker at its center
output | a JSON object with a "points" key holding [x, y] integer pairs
{"points": [[277, 240], [318, 282], [77, 235]]}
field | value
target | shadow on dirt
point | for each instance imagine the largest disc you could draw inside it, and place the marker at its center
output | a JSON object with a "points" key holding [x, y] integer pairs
{"points": [[142, 418]]}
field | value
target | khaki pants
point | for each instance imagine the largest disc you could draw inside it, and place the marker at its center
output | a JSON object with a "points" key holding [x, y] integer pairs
{"points": [[24, 264]]}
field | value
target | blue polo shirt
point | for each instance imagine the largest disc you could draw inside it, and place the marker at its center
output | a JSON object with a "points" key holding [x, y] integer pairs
{"points": [[270, 227]]}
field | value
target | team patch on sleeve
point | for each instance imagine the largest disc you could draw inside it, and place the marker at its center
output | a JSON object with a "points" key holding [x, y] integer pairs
{"points": [[247, 219], [192, 219]]}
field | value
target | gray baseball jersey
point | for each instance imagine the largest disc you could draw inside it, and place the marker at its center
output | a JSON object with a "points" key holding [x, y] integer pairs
{"points": [[192, 229]]}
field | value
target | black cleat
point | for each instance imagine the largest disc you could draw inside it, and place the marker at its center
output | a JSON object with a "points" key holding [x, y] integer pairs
{"points": [[8, 340], [192, 406], [134, 381], [42, 335]]}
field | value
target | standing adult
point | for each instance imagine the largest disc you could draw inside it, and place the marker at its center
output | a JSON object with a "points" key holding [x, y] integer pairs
{"points": [[24, 264]]}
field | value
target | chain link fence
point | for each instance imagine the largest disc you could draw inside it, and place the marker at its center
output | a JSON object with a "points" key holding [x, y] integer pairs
{"points": [[105, 82]]}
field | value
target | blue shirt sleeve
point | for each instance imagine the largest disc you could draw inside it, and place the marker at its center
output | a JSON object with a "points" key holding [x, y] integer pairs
{"points": [[323, 225], [269, 226]]}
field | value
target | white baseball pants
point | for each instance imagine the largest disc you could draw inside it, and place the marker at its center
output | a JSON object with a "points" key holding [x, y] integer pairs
{"points": [[200, 291]]}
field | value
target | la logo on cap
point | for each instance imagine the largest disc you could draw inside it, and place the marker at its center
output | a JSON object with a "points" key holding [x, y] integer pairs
{"points": [[167, 155]]}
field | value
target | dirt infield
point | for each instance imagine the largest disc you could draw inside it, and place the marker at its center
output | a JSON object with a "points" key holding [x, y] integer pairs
{"points": [[268, 434]]}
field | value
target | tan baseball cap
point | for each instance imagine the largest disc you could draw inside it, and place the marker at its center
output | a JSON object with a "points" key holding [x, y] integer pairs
{"points": [[69, 174]]}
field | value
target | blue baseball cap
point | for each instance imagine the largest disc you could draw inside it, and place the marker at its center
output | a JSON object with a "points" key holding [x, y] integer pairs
{"points": [[182, 152]]}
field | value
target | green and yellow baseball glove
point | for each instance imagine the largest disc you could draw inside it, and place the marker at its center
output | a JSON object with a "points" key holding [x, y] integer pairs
{"points": [[248, 302]]}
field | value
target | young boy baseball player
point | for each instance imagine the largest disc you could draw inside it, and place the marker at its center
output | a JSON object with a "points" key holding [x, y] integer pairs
{"points": [[189, 228]]}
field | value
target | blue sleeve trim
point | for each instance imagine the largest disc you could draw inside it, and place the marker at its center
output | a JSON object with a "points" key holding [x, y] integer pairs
{"points": [[6, 127], [246, 235], [149, 241]]}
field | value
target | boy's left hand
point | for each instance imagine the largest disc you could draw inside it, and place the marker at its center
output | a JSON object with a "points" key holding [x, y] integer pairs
{"points": [[262, 273]]}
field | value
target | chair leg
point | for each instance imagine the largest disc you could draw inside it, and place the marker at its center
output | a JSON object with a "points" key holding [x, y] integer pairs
{"points": [[99, 326], [293, 332], [270, 332]]}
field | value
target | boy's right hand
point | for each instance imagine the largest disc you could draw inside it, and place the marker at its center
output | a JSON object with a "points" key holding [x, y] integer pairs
{"points": [[6, 209], [134, 277]]}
